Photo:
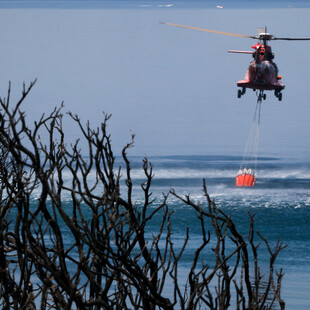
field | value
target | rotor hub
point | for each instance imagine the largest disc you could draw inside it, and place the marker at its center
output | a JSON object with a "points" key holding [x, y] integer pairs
{"points": [[265, 36]]}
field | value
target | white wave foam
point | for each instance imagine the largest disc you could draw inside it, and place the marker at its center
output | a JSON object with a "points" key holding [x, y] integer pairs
{"points": [[285, 174], [190, 173], [185, 173], [218, 190]]}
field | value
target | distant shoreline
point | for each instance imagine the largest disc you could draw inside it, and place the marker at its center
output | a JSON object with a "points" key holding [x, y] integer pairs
{"points": [[150, 4]]}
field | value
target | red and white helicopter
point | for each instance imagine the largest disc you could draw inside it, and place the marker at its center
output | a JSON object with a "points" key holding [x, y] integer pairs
{"points": [[262, 73]]}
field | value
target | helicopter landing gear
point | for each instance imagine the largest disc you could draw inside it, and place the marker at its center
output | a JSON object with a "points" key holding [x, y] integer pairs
{"points": [[278, 94], [241, 92]]}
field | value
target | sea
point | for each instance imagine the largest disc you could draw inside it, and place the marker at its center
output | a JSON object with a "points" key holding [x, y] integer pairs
{"points": [[280, 201]]}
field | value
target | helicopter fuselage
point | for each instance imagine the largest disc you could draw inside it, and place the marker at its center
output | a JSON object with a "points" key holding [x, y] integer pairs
{"points": [[262, 76], [262, 73]]}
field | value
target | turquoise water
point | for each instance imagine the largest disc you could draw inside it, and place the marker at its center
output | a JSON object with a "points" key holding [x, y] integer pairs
{"points": [[280, 201]]}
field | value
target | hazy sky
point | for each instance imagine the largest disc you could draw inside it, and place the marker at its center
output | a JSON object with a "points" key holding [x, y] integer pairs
{"points": [[174, 88]]}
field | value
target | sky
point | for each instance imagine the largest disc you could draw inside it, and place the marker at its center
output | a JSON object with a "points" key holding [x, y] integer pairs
{"points": [[174, 88]]}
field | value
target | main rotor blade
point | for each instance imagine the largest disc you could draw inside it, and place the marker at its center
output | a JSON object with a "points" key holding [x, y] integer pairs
{"points": [[291, 39], [212, 31]]}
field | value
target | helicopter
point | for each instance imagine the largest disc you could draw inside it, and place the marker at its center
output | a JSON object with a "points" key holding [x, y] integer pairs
{"points": [[263, 73]]}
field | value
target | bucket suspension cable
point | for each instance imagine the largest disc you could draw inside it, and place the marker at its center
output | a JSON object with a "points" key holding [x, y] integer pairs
{"points": [[247, 177], [251, 149], [257, 136]]}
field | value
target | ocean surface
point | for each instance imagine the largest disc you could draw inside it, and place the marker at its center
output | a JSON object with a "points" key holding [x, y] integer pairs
{"points": [[280, 201]]}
